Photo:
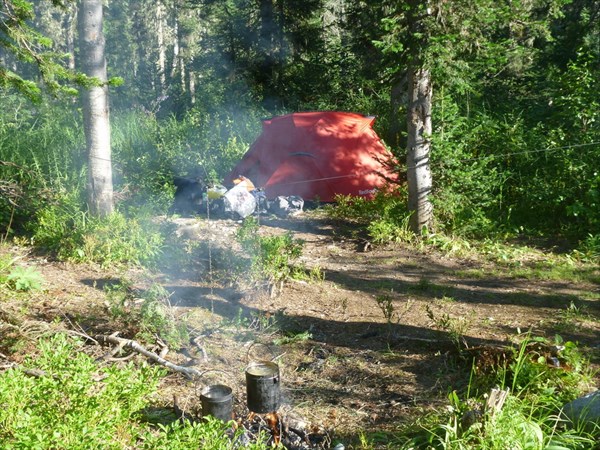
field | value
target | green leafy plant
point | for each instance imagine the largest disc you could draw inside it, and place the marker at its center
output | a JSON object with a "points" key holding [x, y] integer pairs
{"points": [[25, 278], [533, 368], [63, 399], [210, 434], [527, 417], [72, 403], [589, 248], [148, 312], [456, 327], [156, 318], [271, 257], [292, 337]]}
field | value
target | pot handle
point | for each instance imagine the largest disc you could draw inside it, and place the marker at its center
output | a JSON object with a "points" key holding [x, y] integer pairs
{"points": [[231, 380], [273, 358], [269, 348]]}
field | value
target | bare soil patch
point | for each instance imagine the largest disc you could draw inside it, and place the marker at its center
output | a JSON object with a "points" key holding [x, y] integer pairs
{"points": [[345, 365]]}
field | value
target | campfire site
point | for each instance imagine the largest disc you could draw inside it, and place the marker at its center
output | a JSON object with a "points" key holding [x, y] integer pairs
{"points": [[375, 338]]}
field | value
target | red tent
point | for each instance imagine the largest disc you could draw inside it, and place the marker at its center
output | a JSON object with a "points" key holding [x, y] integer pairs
{"points": [[317, 155]]}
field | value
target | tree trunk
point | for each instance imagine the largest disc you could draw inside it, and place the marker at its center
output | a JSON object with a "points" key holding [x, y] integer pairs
{"points": [[95, 108], [162, 51], [418, 148], [418, 118], [396, 137], [69, 27], [267, 66]]}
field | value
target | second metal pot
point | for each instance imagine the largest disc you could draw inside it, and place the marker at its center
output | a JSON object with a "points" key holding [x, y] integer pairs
{"points": [[217, 401], [263, 387]]}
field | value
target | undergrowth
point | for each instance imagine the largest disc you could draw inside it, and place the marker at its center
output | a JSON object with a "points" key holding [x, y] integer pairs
{"points": [[18, 278], [67, 230], [271, 258], [63, 399], [536, 384], [147, 314]]}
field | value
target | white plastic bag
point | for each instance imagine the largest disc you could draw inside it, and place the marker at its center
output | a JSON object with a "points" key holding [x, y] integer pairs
{"points": [[240, 201]]}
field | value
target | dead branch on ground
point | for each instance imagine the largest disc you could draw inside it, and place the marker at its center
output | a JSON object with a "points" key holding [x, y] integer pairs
{"points": [[190, 372]]}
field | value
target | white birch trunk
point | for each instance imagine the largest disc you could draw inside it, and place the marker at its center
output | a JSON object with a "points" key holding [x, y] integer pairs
{"points": [[162, 51], [418, 148], [95, 108]]}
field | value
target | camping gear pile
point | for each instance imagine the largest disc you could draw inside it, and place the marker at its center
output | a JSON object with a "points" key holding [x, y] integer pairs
{"points": [[244, 199], [308, 156], [193, 196]]}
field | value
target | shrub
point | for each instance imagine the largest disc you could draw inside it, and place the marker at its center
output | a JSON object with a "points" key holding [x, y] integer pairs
{"points": [[73, 234], [385, 217], [271, 257], [66, 406]]}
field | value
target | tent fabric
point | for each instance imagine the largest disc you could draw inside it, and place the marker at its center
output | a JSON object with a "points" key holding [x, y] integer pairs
{"points": [[317, 155]]}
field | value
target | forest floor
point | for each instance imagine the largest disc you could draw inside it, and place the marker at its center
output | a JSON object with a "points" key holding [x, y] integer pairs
{"points": [[370, 346]]}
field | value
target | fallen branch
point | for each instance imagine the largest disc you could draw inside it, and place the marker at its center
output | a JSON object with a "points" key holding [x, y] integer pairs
{"points": [[135, 346]]}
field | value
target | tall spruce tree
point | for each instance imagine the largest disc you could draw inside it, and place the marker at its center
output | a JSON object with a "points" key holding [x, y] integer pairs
{"points": [[454, 44]]}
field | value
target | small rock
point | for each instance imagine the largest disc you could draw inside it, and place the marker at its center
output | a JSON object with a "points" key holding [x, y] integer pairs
{"points": [[470, 418], [584, 410]]}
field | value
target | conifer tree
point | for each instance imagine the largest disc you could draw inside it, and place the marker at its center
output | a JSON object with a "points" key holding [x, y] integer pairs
{"points": [[23, 47]]}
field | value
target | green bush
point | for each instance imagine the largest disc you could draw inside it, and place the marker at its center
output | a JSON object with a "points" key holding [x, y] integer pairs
{"points": [[75, 235], [72, 403], [467, 184], [385, 217], [271, 257]]}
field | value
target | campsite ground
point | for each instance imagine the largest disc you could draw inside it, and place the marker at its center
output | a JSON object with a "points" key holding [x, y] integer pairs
{"points": [[370, 346]]}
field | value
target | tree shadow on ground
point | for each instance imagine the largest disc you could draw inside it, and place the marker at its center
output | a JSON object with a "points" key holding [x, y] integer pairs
{"points": [[493, 291]]}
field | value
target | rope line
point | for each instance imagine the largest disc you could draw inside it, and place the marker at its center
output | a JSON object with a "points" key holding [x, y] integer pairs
{"points": [[504, 155], [440, 163]]}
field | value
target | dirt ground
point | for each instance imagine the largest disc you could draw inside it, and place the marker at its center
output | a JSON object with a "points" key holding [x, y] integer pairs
{"points": [[368, 347]]}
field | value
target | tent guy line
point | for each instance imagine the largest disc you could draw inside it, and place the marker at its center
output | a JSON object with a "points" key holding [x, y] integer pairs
{"points": [[441, 163], [504, 155]]}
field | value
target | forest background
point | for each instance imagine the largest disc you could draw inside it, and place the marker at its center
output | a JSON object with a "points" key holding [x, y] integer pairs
{"points": [[515, 137]]}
